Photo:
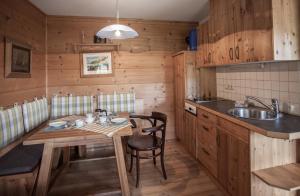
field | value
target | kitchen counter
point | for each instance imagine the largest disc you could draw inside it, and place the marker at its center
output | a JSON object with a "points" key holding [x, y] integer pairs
{"points": [[285, 127]]}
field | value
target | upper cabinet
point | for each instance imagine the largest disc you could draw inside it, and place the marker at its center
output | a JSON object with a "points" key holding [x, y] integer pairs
{"points": [[241, 31]]}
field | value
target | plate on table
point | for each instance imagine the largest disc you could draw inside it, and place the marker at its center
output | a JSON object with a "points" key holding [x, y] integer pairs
{"points": [[119, 120], [58, 124]]}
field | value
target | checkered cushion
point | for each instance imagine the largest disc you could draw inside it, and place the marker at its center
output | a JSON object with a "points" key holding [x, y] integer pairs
{"points": [[80, 105], [35, 113], [59, 107], [117, 102], [11, 125]]}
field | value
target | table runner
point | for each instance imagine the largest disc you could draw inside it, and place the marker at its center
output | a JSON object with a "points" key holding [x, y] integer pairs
{"points": [[108, 130]]}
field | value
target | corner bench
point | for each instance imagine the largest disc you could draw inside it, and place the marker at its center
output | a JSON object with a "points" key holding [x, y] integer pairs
{"points": [[19, 164]]}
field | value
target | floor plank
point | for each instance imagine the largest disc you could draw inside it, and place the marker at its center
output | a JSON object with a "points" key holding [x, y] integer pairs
{"points": [[185, 176]]}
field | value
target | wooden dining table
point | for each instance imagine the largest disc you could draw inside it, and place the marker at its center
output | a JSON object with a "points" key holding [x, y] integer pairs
{"points": [[66, 138]]}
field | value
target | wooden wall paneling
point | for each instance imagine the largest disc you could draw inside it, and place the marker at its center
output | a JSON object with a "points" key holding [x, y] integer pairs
{"points": [[144, 65], [268, 152], [22, 22]]}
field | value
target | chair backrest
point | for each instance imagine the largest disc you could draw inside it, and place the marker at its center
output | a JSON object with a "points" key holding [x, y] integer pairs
{"points": [[35, 113], [160, 119], [117, 102], [11, 125]]}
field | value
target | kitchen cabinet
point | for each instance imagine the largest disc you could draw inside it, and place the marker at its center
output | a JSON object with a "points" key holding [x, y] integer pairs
{"points": [[184, 87], [233, 160], [189, 142], [206, 145], [242, 31]]}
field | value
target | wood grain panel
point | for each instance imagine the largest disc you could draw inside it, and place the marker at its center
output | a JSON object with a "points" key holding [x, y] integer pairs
{"points": [[144, 65], [21, 21]]}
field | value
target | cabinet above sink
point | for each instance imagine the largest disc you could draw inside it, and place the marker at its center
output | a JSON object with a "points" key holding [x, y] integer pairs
{"points": [[247, 31]]}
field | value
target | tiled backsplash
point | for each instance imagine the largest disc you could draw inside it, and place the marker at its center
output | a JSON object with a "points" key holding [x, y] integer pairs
{"points": [[266, 81]]}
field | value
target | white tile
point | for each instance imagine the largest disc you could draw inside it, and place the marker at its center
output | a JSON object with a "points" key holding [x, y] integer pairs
{"points": [[275, 85], [275, 94], [253, 83], [294, 98], [260, 84], [267, 75], [294, 87], [284, 96], [284, 76], [267, 85], [274, 75], [267, 94], [284, 86]]}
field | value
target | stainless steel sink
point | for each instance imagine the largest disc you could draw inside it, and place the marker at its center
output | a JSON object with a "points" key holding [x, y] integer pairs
{"points": [[253, 113]]}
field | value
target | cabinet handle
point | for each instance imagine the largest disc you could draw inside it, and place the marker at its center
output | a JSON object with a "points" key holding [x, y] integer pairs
{"points": [[218, 140], [209, 57], [205, 151], [237, 52], [204, 115], [231, 53], [205, 128]]}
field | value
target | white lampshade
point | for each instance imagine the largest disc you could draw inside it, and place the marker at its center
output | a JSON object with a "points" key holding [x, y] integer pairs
{"points": [[117, 31]]}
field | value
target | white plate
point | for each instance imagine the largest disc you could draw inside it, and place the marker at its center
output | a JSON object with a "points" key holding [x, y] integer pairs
{"points": [[57, 124], [119, 120]]}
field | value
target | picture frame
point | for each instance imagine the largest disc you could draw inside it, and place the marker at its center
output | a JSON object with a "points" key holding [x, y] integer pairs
{"points": [[96, 64], [17, 59]]}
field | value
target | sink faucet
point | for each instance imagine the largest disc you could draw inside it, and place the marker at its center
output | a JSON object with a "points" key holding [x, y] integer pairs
{"points": [[274, 107]]}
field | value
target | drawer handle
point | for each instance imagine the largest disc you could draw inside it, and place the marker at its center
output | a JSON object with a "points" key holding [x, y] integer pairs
{"points": [[205, 128], [204, 115], [205, 151]]}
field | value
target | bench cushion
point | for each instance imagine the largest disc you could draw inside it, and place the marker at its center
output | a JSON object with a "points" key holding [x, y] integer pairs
{"points": [[80, 105], [11, 125], [59, 106], [21, 159], [35, 113], [117, 102]]}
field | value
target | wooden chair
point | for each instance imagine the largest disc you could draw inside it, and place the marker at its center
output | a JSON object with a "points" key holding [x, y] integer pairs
{"points": [[150, 142]]}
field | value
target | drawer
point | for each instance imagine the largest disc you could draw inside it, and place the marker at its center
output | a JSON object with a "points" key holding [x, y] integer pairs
{"points": [[206, 116], [207, 137], [209, 161], [235, 130]]}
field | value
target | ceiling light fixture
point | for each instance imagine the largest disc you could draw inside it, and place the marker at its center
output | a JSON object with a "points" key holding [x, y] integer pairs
{"points": [[117, 31]]}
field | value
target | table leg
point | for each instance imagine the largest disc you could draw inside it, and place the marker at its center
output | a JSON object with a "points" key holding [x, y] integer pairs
{"points": [[66, 155], [45, 170], [121, 165]]}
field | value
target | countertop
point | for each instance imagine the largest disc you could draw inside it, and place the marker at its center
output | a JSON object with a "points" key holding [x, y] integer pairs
{"points": [[285, 127]]}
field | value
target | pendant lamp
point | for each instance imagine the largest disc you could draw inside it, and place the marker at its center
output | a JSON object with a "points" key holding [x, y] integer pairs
{"points": [[117, 31]]}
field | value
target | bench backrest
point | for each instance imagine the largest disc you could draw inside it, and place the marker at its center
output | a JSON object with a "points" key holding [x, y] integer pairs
{"points": [[11, 125], [71, 105], [35, 113], [117, 102]]}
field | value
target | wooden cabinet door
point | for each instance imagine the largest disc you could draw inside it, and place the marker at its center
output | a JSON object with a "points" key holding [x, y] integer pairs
{"points": [[179, 123], [190, 133], [179, 95], [233, 164], [203, 45], [211, 35]]}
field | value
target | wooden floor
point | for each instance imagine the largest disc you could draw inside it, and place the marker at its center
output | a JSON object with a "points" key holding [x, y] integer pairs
{"points": [[185, 176]]}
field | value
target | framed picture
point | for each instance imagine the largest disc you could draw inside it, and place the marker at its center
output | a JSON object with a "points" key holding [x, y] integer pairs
{"points": [[17, 59], [96, 64]]}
